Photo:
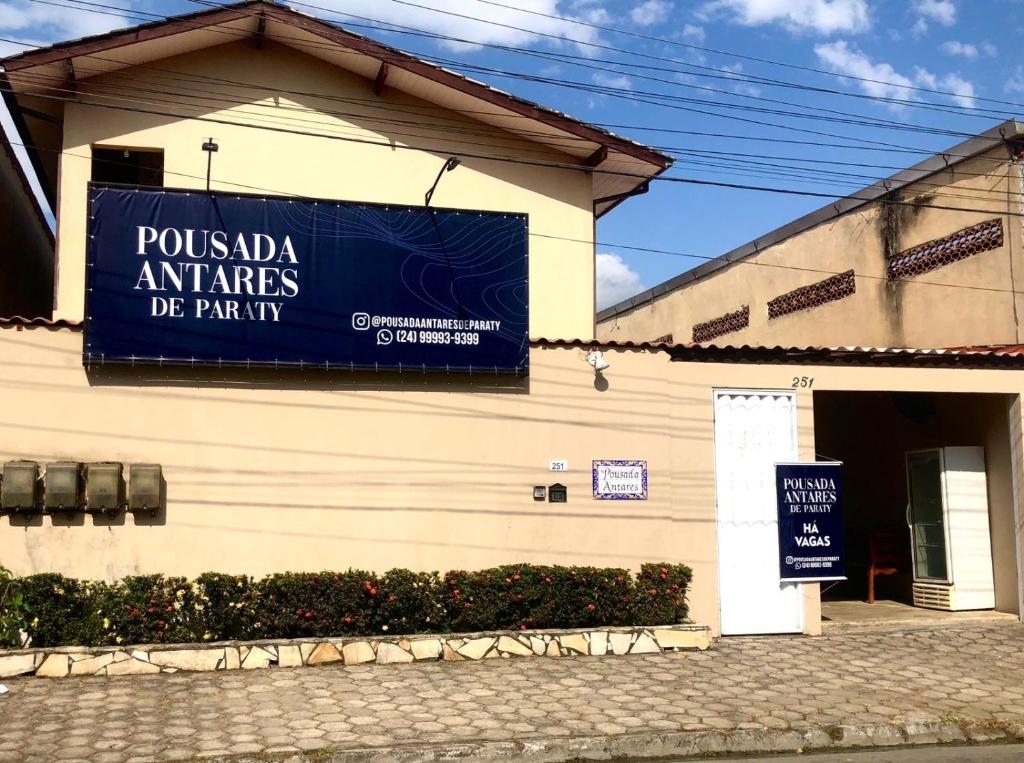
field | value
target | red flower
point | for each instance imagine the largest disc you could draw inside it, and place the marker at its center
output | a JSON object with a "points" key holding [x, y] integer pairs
{"points": [[508, 580], [169, 608], [298, 612], [373, 592], [654, 592], [515, 577], [161, 623], [547, 580], [522, 627], [346, 619], [309, 615], [591, 607]]}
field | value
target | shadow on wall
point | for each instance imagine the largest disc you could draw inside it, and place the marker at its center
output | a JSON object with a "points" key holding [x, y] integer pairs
{"points": [[296, 379]]}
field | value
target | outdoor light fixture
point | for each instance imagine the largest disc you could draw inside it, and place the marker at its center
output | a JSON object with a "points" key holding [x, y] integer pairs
{"points": [[597, 361], [449, 165], [62, 486], [145, 487], [20, 488], [210, 147], [558, 493], [104, 488]]}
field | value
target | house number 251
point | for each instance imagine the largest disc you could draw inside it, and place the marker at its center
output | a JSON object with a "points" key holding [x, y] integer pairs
{"points": [[803, 382]]}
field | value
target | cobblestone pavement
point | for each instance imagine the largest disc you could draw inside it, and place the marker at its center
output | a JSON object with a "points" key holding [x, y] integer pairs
{"points": [[972, 672]]}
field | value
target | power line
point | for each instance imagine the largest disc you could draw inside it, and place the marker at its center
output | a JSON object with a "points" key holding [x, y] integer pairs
{"points": [[618, 92], [732, 54], [755, 167], [486, 157], [592, 89], [606, 244]]}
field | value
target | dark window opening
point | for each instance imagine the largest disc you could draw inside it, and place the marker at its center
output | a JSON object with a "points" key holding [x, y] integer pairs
{"points": [[128, 166]]}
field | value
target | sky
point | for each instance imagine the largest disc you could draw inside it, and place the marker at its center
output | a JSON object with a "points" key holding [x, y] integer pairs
{"points": [[742, 91]]}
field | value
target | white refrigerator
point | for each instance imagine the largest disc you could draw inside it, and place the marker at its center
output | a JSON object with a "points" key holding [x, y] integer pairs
{"points": [[947, 512]]}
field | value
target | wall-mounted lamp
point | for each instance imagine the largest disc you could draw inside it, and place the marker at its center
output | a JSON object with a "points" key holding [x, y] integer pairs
{"points": [[210, 147], [451, 163], [597, 361]]}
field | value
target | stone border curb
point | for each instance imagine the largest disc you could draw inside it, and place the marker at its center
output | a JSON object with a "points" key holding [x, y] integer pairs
{"points": [[61, 662], [670, 745]]}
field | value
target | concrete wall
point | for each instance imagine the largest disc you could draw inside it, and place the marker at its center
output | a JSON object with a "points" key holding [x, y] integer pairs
{"points": [[307, 471], [251, 160], [968, 302], [26, 255]]}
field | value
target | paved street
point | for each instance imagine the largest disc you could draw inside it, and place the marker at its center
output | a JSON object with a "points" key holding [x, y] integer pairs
{"points": [[968, 674]]}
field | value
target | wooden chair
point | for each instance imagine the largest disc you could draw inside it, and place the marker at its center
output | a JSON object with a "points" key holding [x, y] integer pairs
{"points": [[884, 556]]}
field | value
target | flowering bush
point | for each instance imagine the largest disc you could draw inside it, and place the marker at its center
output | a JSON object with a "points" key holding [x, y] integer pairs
{"points": [[55, 610]]}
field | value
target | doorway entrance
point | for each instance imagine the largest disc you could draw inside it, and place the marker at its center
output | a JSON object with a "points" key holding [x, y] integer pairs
{"points": [[754, 430], [928, 505]]}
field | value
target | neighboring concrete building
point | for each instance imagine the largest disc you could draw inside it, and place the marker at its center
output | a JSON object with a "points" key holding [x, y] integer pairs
{"points": [[26, 255], [930, 257]]}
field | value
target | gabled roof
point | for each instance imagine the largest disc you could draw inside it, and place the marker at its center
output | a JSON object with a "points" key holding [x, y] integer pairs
{"points": [[968, 149], [38, 119]]}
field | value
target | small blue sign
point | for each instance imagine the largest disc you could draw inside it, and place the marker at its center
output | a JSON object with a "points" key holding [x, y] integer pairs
{"points": [[811, 533], [212, 278], [620, 480]]}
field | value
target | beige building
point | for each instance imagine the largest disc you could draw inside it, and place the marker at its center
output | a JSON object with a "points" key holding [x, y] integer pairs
{"points": [[930, 257], [304, 469]]}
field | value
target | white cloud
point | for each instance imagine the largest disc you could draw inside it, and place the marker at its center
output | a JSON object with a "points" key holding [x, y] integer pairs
{"points": [[650, 12], [743, 86], [881, 80], [956, 48], [989, 49], [821, 16], [487, 31], [693, 33], [963, 91], [50, 23], [614, 81], [1015, 82], [878, 79], [616, 281], [942, 11]]}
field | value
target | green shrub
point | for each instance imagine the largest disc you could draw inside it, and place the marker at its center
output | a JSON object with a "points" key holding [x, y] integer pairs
{"points": [[56, 610], [12, 609]]}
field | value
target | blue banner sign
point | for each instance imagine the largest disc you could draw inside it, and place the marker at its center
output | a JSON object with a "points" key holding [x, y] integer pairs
{"points": [[211, 278], [810, 501]]}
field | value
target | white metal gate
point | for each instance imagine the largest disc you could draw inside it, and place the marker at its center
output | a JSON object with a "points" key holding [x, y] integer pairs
{"points": [[754, 429]]}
